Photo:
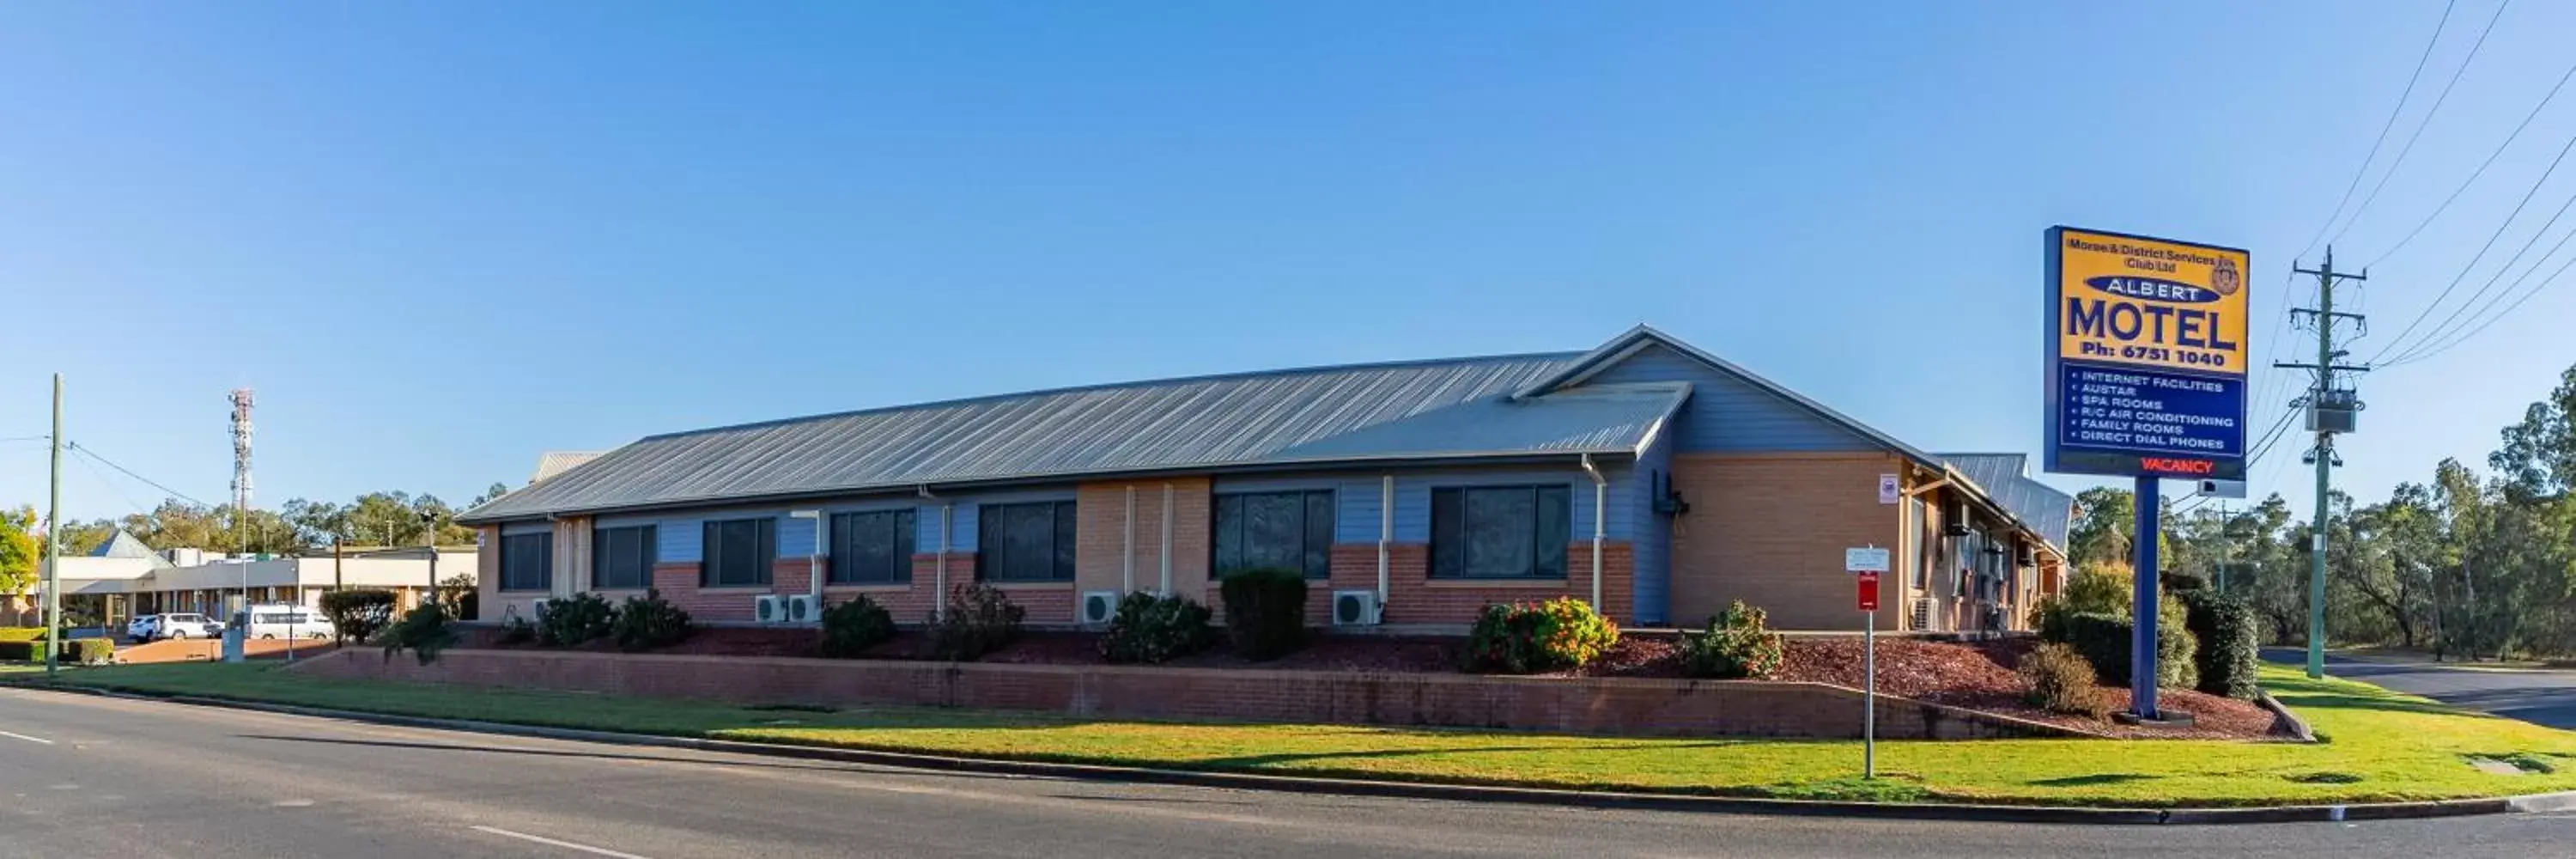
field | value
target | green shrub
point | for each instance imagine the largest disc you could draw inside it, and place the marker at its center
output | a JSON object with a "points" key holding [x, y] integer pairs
{"points": [[356, 614], [2104, 641], [2057, 679], [22, 651], [582, 617], [1151, 628], [424, 631], [2230, 642], [649, 621], [517, 630], [1524, 637], [93, 651], [980, 619], [1265, 612], [850, 628], [1736, 644], [2099, 589]]}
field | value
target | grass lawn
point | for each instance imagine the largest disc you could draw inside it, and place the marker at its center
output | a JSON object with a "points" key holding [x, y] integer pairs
{"points": [[2381, 746]]}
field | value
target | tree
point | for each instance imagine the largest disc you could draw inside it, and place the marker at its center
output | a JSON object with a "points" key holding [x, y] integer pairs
{"points": [[81, 538], [2104, 520], [20, 554]]}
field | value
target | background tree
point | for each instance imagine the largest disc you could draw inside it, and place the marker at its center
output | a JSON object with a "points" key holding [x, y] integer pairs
{"points": [[21, 554]]}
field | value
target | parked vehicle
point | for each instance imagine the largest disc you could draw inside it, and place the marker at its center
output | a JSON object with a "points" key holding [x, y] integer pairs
{"points": [[155, 627], [282, 620]]}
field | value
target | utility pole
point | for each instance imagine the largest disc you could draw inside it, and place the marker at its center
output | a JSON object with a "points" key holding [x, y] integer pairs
{"points": [[54, 542], [2330, 411]]}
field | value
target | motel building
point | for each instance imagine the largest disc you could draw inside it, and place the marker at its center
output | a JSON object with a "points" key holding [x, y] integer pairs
{"points": [[1653, 479], [123, 578]]}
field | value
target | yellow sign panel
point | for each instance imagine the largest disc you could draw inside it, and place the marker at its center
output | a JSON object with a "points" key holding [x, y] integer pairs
{"points": [[2149, 303]]}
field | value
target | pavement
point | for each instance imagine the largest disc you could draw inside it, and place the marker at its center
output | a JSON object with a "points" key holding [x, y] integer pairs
{"points": [[2543, 696], [108, 776]]}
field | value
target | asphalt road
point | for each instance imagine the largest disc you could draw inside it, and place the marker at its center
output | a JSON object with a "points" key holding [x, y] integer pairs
{"points": [[2541, 696], [91, 776]]}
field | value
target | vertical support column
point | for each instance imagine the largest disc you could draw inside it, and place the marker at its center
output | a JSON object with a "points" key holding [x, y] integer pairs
{"points": [[2142, 635]]}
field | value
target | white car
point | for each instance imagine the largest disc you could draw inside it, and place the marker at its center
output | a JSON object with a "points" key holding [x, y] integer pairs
{"points": [[154, 627], [283, 620]]}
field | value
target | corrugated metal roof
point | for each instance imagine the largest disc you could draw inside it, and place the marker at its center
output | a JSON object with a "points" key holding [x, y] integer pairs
{"points": [[1428, 409], [2005, 476], [124, 545], [556, 462]]}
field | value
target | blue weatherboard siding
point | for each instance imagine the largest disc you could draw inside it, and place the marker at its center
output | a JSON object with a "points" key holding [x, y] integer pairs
{"points": [[683, 541], [1728, 414], [1356, 497], [1652, 549]]}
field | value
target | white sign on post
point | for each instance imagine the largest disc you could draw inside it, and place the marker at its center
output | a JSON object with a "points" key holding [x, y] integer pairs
{"points": [[1868, 560]]}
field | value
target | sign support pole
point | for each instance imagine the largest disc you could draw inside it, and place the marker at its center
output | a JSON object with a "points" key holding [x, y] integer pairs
{"points": [[2142, 635], [1869, 697]]}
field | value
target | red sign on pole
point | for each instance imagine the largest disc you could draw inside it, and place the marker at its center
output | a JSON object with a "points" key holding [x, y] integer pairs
{"points": [[1868, 595]]}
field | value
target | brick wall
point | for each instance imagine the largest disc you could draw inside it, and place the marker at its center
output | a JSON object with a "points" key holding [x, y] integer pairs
{"points": [[1770, 530], [1618, 706], [1102, 546], [1413, 597]]}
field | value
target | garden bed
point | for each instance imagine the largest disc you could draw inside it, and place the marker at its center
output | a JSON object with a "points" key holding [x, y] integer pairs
{"points": [[1975, 675]]}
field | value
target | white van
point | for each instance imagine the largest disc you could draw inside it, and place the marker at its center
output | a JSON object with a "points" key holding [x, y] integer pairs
{"points": [[282, 620]]}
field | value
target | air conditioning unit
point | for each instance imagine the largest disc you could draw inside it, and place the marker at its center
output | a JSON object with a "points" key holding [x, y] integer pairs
{"points": [[1098, 607], [801, 608], [1954, 517], [537, 609], [769, 608], [1355, 608], [1922, 613]]}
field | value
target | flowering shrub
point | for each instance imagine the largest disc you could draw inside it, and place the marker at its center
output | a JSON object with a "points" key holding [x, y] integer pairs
{"points": [[1525, 637], [1736, 644]]}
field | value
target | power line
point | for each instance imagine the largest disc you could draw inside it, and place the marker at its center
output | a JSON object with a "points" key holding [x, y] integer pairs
{"points": [[130, 503], [2482, 251], [2491, 320], [2393, 114], [2427, 122], [77, 447], [2481, 171], [2444, 328], [2441, 334]]}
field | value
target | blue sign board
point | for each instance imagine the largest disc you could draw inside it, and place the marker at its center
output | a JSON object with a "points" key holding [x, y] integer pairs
{"points": [[2147, 356]]}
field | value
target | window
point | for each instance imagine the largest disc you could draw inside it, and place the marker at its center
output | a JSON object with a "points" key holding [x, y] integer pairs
{"points": [[528, 562], [1500, 532], [738, 552], [1025, 542], [622, 558], [872, 548], [1288, 530]]}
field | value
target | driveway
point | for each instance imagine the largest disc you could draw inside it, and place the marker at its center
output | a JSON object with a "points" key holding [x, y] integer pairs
{"points": [[2537, 695]]}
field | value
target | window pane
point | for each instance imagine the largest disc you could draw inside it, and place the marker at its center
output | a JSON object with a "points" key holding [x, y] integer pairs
{"points": [[1319, 534], [1555, 529], [1448, 534], [1498, 540], [1274, 531], [1229, 534], [1067, 524]]}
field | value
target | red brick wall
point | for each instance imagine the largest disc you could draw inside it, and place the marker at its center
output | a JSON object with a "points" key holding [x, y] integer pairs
{"points": [[1414, 598], [1621, 706], [1103, 535], [1770, 530]]}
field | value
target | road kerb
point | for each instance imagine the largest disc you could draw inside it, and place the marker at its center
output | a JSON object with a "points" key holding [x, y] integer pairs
{"points": [[2529, 803]]}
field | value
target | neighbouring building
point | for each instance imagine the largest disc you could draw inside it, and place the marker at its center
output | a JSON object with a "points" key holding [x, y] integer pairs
{"points": [[1647, 476], [123, 578]]}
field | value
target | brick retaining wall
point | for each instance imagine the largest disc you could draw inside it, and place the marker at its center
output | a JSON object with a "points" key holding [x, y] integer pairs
{"points": [[1614, 706]]}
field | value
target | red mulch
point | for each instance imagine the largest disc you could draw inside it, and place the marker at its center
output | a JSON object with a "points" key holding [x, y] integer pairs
{"points": [[1979, 675], [1975, 675]]}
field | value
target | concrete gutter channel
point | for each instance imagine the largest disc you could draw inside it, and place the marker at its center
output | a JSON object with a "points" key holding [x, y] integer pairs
{"points": [[2527, 803]]}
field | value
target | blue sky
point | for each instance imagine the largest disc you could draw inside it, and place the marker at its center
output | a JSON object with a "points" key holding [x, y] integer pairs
{"points": [[440, 238]]}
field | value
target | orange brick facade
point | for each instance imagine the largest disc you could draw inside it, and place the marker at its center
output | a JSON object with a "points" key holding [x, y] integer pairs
{"points": [[1770, 530]]}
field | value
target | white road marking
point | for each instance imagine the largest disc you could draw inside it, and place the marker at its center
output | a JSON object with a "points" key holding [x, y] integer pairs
{"points": [[26, 738], [601, 851]]}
